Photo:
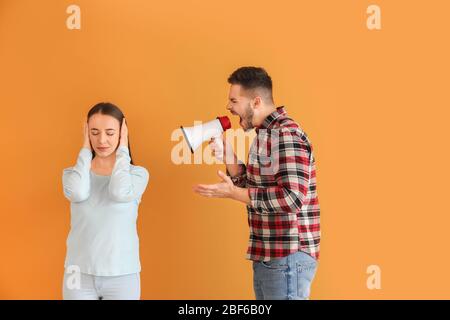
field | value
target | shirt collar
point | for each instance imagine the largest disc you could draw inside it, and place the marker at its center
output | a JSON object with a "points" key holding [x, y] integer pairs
{"points": [[270, 119]]}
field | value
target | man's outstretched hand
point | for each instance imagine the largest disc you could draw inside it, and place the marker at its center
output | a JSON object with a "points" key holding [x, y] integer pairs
{"points": [[224, 189]]}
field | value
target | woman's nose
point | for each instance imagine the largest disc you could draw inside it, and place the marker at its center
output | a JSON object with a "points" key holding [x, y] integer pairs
{"points": [[103, 138]]}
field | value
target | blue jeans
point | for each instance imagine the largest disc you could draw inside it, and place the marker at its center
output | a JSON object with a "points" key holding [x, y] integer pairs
{"points": [[287, 278]]}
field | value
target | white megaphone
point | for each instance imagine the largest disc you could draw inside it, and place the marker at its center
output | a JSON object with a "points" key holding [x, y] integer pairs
{"points": [[198, 134]]}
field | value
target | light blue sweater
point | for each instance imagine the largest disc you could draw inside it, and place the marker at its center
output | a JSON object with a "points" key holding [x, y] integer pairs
{"points": [[103, 239]]}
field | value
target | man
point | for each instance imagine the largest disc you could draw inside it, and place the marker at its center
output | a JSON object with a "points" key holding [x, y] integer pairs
{"points": [[278, 185]]}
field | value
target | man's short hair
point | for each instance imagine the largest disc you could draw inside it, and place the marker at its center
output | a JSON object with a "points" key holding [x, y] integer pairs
{"points": [[253, 79]]}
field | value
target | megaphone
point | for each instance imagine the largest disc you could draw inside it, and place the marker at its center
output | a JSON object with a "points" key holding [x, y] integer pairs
{"points": [[198, 134]]}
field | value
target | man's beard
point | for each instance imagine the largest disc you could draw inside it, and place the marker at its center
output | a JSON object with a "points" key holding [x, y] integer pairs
{"points": [[247, 124]]}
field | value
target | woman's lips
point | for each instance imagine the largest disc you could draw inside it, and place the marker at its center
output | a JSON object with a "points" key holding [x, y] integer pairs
{"points": [[103, 148]]}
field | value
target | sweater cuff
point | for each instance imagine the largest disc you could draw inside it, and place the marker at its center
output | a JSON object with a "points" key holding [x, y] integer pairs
{"points": [[122, 149], [86, 153]]}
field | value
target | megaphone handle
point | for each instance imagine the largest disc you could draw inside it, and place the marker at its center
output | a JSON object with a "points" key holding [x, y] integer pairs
{"points": [[219, 143]]}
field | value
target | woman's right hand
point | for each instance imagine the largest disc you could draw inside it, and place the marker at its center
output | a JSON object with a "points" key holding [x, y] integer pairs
{"points": [[87, 142]]}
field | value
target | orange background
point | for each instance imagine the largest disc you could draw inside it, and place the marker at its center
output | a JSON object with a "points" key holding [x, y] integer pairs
{"points": [[373, 103]]}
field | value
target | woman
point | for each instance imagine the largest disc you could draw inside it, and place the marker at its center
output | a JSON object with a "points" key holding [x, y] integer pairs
{"points": [[105, 189]]}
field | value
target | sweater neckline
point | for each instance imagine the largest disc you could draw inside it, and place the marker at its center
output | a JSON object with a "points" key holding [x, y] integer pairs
{"points": [[99, 175]]}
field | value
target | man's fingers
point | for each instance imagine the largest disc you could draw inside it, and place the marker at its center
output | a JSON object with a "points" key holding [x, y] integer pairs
{"points": [[212, 145], [224, 176], [203, 192], [206, 187]]}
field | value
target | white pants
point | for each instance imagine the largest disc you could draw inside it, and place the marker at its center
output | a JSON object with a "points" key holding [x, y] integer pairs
{"points": [[82, 286]]}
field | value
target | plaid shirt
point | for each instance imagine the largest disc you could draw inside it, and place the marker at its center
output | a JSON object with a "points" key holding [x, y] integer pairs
{"points": [[284, 213]]}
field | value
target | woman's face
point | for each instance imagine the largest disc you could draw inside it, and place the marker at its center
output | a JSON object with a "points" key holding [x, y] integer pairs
{"points": [[104, 133]]}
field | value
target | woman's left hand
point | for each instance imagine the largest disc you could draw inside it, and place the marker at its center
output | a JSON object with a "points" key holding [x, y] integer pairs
{"points": [[124, 134]]}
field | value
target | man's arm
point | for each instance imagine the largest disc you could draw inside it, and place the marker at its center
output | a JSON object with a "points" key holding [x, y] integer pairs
{"points": [[292, 177], [235, 169]]}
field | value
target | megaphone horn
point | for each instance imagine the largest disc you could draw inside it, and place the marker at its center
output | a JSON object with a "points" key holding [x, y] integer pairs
{"points": [[198, 134]]}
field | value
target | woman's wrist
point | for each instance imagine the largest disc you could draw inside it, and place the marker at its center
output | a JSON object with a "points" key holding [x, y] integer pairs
{"points": [[123, 143]]}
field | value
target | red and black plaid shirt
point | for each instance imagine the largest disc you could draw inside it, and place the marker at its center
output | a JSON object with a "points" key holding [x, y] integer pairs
{"points": [[284, 213]]}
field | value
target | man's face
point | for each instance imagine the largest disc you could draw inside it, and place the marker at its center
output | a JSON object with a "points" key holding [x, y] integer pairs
{"points": [[240, 104]]}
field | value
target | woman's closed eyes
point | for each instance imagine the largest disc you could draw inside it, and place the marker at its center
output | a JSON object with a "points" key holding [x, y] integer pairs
{"points": [[109, 132]]}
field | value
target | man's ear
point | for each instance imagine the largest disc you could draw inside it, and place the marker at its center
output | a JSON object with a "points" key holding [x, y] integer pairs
{"points": [[257, 102]]}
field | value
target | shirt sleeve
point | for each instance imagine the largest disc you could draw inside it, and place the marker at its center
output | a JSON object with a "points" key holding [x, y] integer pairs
{"points": [[291, 176], [127, 182], [76, 180], [240, 180]]}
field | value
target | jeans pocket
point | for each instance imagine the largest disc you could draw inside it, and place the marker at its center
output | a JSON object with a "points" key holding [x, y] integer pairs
{"points": [[276, 264], [305, 275]]}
